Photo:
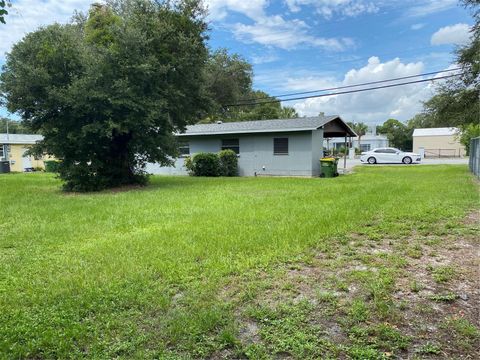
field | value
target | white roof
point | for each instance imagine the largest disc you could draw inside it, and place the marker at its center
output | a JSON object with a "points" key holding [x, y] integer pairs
{"points": [[446, 131], [19, 138]]}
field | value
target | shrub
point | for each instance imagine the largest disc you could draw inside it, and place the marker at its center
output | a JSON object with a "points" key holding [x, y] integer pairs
{"points": [[51, 165], [224, 163], [188, 163], [206, 164], [228, 163]]}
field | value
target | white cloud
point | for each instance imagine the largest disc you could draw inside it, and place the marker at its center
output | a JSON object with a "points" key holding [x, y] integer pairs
{"points": [[27, 15], [458, 34], [218, 9], [427, 7], [371, 107], [328, 8], [274, 31], [417, 26], [264, 58], [293, 80]]}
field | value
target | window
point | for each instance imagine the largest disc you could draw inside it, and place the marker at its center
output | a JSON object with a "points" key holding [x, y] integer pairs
{"points": [[231, 144], [2, 152], [386, 151], [280, 146], [184, 148], [364, 147], [391, 151]]}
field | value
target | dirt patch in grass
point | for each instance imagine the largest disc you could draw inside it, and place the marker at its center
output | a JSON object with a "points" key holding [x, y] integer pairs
{"points": [[406, 295], [442, 287]]}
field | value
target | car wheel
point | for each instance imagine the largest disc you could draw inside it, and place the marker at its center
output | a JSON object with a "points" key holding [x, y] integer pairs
{"points": [[372, 160], [407, 160]]}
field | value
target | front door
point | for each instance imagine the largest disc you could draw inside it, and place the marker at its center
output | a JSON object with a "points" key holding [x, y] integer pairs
{"points": [[26, 161]]}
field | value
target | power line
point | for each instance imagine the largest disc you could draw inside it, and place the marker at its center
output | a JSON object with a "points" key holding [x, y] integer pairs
{"points": [[354, 85], [345, 92]]}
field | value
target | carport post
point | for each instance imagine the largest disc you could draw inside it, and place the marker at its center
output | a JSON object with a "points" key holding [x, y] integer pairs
{"points": [[345, 156]]}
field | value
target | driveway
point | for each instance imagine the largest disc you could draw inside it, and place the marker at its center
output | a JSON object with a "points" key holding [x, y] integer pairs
{"points": [[442, 161]]}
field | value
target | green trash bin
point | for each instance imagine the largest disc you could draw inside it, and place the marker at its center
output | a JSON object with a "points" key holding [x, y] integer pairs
{"points": [[4, 167], [328, 167]]}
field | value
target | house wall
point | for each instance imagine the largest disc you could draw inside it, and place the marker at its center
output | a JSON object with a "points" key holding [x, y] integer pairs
{"points": [[446, 145], [16, 157], [256, 154], [317, 151]]}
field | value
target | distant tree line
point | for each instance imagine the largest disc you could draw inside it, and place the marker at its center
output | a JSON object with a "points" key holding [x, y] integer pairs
{"points": [[14, 127]]}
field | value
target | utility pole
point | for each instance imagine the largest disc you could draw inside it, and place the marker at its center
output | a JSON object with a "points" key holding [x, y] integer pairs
{"points": [[7, 147]]}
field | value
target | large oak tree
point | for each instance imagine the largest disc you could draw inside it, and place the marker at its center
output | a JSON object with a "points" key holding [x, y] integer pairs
{"points": [[109, 90]]}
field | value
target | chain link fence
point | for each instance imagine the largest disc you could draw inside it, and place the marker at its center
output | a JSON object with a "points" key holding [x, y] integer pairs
{"points": [[474, 161]]}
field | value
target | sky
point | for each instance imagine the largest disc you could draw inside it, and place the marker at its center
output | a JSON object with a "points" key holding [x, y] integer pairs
{"points": [[304, 45]]}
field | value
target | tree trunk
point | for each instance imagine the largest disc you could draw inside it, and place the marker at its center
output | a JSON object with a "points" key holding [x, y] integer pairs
{"points": [[120, 168]]}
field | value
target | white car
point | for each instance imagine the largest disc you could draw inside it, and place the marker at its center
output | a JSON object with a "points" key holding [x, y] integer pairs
{"points": [[389, 156]]}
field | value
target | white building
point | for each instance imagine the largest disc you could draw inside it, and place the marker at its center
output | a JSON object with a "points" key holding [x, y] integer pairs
{"points": [[368, 141]]}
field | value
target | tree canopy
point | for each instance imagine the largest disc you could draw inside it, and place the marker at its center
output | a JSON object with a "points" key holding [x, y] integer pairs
{"points": [[228, 80], [360, 129], [14, 127], [398, 134], [109, 90]]}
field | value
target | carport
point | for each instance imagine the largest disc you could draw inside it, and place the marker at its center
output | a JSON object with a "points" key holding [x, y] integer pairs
{"points": [[337, 128]]}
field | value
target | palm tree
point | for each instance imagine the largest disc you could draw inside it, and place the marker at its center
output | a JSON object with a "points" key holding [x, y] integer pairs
{"points": [[360, 129]]}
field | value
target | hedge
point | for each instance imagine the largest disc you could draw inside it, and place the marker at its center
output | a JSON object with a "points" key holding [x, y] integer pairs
{"points": [[51, 165], [228, 163], [210, 164]]}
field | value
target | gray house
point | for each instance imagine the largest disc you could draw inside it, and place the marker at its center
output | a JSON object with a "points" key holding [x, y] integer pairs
{"points": [[287, 147]]}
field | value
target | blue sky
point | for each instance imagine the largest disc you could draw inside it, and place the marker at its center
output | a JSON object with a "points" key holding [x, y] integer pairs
{"points": [[301, 45]]}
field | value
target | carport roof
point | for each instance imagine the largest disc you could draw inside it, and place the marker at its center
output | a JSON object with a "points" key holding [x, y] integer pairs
{"points": [[269, 126]]}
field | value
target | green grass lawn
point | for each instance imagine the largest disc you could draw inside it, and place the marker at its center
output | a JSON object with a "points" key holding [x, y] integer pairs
{"points": [[176, 270]]}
